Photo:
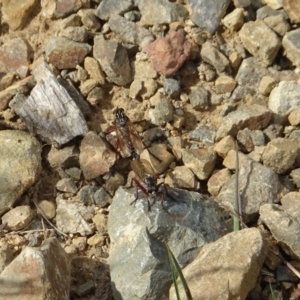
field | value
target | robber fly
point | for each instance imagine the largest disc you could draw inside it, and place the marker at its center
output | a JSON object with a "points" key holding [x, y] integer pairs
{"points": [[147, 182], [128, 142]]}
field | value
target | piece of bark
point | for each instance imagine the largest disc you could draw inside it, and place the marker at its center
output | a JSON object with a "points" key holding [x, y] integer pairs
{"points": [[49, 111]]}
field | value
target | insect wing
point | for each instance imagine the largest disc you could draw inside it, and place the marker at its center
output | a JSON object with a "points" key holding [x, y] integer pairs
{"points": [[123, 141], [135, 138], [147, 167], [138, 169]]}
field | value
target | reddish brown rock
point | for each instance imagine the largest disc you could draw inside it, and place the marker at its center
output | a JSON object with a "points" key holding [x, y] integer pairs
{"points": [[169, 53], [15, 54], [64, 53], [95, 157]]}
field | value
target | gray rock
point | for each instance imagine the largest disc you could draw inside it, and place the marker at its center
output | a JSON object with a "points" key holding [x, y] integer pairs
{"points": [[93, 195], [257, 185], [245, 140], [73, 20], [217, 258], [142, 235], [280, 154], [200, 161], [77, 34], [18, 218], [199, 98], [204, 134], [162, 113], [254, 117], [161, 12], [69, 217], [109, 8], [257, 33], [113, 59], [207, 15], [290, 43], [172, 87], [274, 131], [129, 32], [284, 228], [20, 165], [66, 185], [214, 57], [285, 97], [37, 273]]}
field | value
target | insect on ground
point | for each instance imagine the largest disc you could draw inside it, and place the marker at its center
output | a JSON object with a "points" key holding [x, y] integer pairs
{"points": [[147, 182], [129, 142]]}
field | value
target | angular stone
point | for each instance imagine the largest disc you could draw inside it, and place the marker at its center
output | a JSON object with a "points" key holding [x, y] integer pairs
{"points": [[252, 117], [64, 53], [15, 54], [128, 31], [66, 185], [169, 53], [225, 145], [207, 15], [257, 185], [69, 217], [18, 218], [204, 134], [63, 158], [285, 97], [214, 260], [291, 204], [280, 154], [199, 98], [17, 14], [291, 45], [293, 10], [214, 57], [183, 178], [93, 68], [131, 228], [260, 41], [37, 273], [77, 34], [278, 23], [225, 84], [234, 20], [20, 165], [161, 12], [72, 21], [113, 59], [266, 85], [217, 180], [200, 161], [109, 8], [64, 8], [230, 160], [283, 226], [95, 157], [89, 19], [162, 113]]}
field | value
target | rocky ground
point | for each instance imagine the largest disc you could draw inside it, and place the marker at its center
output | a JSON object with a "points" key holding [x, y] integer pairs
{"points": [[195, 77]]}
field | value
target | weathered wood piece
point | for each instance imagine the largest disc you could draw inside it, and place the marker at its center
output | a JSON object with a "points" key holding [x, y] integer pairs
{"points": [[49, 111]]}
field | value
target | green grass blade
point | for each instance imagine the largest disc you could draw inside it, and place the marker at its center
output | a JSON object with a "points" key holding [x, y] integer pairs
{"points": [[176, 267]]}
